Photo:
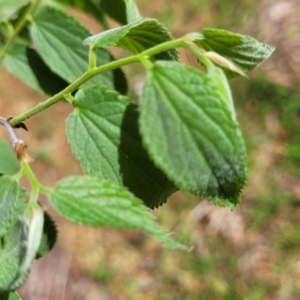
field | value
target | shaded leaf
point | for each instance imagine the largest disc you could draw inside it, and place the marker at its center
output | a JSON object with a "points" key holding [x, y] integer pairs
{"points": [[115, 9], [123, 11], [92, 7], [49, 236], [120, 81], [94, 202], [103, 134], [26, 64], [10, 296], [135, 38], [191, 133]]}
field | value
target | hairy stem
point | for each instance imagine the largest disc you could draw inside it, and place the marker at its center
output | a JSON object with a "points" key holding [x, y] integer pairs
{"points": [[20, 25], [93, 72]]}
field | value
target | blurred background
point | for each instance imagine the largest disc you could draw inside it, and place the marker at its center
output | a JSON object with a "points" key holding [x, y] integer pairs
{"points": [[250, 253]]}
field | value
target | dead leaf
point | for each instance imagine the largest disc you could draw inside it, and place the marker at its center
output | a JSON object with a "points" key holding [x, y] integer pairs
{"points": [[22, 155]]}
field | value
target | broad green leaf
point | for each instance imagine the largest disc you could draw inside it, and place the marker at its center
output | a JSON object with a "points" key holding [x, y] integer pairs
{"points": [[103, 134], [244, 51], [10, 296], [9, 8], [58, 39], [49, 236], [9, 163], [94, 202], [9, 195], [135, 38], [26, 64], [190, 132]]}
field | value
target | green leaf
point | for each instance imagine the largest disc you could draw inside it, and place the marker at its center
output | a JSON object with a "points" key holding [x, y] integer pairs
{"points": [[26, 64], [135, 38], [244, 51], [218, 77], [191, 134], [12, 250], [103, 134], [49, 236], [9, 195], [123, 11], [33, 222], [10, 296], [9, 8], [94, 202], [9, 163], [19, 245], [92, 7], [58, 39], [132, 12], [115, 9]]}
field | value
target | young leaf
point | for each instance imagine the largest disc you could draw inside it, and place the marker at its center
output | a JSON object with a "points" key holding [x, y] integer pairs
{"points": [[58, 39], [191, 133], [244, 51], [135, 38], [26, 64], [9, 8], [104, 137], [49, 236], [9, 164], [94, 202]]}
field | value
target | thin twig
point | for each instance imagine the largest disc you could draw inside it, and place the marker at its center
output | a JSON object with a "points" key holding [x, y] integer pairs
{"points": [[9, 130]]}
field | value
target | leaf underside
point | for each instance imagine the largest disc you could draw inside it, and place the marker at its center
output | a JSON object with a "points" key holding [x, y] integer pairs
{"points": [[94, 202]]}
